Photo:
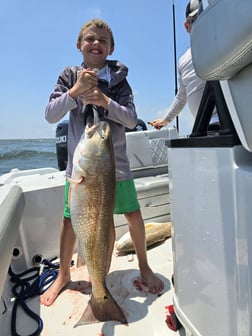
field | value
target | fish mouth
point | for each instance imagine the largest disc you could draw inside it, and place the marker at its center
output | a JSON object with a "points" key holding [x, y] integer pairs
{"points": [[101, 128]]}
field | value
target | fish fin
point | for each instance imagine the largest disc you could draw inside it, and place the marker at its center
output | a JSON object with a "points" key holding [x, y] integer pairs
{"points": [[87, 317], [80, 257], [111, 246], [102, 311], [76, 181], [69, 197], [73, 181]]}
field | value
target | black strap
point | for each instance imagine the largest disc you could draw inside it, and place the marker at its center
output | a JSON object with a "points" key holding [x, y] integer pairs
{"points": [[212, 97]]}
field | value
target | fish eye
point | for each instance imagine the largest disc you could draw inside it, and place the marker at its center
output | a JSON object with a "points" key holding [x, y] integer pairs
{"points": [[103, 134]]}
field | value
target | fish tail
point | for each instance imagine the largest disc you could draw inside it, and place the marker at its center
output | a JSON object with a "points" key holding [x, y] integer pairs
{"points": [[103, 310]]}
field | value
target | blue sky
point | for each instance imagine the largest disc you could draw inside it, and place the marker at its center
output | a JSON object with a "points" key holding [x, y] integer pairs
{"points": [[38, 40]]}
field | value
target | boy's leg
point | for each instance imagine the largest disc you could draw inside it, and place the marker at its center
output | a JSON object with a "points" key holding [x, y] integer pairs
{"points": [[137, 232], [67, 243], [127, 203]]}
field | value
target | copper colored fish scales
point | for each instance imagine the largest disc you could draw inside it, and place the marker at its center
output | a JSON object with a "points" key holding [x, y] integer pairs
{"points": [[92, 203]]}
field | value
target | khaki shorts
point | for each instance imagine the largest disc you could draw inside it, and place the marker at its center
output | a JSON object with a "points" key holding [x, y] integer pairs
{"points": [[126, 198]]}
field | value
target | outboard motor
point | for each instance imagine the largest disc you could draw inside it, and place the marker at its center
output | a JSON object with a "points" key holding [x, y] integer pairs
{"points": [[61, 144], [140, 126]]}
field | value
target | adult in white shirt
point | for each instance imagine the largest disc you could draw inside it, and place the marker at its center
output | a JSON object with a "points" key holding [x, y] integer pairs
{"points": [[191, 87]]}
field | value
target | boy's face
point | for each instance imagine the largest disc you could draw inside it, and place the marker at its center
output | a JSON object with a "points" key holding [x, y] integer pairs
{"points": [[95, 46]]}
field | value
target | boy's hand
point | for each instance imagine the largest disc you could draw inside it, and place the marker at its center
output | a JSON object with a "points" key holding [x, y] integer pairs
{"points": [[86, 80], [94, 96]]}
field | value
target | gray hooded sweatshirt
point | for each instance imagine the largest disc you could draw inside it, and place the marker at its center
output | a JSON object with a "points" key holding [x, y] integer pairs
{"points": [[121, 112]]}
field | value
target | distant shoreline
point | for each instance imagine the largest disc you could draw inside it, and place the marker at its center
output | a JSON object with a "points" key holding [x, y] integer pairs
{"points": [[25, 139]]}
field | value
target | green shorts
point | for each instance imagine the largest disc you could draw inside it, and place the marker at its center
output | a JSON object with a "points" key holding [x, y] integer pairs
{"points": [[126, 198]]}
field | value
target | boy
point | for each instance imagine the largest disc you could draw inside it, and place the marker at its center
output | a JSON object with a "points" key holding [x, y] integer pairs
{"points": [[76, 90]]}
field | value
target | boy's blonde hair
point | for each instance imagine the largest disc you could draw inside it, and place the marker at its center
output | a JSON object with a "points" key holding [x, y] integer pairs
{"points": [[99, 23]]}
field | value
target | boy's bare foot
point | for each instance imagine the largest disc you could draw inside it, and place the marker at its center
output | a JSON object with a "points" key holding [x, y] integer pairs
{"points": [[61, 284], [150, 280], [51, 294]]}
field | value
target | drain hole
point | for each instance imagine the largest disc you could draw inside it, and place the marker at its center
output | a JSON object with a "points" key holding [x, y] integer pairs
{"points": [[37, 259], [15, 252]]}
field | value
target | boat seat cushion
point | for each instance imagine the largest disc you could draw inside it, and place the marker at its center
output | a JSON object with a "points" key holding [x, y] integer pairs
{"points": [[221, 39], [138, 150], [147, 151]]}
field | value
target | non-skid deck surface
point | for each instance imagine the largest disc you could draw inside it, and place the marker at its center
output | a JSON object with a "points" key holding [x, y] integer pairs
{"points": [[145, 313]]}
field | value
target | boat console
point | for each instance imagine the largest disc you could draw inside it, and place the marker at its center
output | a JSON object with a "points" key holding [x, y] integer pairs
{"points": [[211, 180]]}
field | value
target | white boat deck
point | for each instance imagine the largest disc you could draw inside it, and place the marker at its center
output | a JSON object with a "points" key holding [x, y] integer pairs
{"points": [[146, 313]]}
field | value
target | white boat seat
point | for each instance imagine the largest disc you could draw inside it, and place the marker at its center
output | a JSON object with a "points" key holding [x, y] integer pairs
{"points": [[221, 43], [11, 208], [147, 151]]}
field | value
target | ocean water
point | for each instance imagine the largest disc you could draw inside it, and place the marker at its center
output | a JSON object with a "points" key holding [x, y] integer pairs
{"points": [[27, 154]]}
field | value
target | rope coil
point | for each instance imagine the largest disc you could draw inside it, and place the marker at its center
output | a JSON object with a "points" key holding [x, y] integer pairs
{"points": [[28, 284]]}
